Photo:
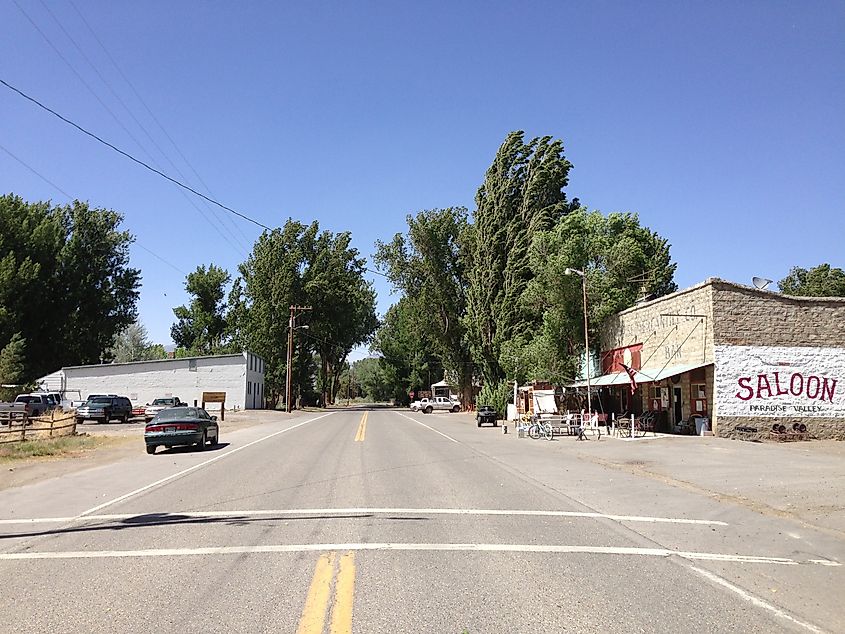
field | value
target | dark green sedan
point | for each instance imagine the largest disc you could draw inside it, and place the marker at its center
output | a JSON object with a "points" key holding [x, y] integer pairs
{"points": [[178, 426]]}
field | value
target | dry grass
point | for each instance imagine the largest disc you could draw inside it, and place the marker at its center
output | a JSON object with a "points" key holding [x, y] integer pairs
{"points": [[49, 447]]}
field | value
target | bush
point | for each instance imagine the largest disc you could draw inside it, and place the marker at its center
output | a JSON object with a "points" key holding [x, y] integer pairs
{"points": [[496, 395]]}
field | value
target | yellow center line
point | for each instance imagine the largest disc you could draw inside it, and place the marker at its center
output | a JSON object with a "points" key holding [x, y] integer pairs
{"points": [[362, 428], [314, 612], [344, 591]]}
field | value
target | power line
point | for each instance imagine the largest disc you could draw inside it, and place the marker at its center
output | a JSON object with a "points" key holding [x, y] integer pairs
{"points": [[150, 112], [103, 104], [72, 198], [134, 118], [130, 157]]}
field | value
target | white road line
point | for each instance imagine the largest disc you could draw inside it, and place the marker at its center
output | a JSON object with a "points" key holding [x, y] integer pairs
{"points": [[195, 467], [754, 600], [493, 548], [427, 427], [371, 511]]}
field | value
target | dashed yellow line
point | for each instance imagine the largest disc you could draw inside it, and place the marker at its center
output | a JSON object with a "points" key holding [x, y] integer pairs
{"points": [[362, 428], [313, 616]]}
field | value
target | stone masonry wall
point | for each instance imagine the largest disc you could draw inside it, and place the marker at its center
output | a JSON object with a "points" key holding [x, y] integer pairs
{"points": [[667, 339], [749, 317]]}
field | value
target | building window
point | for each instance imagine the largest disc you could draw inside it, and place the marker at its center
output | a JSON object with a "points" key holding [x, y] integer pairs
{"points": [[698, 398], [658, 398], [249, 387], [192, 365]]}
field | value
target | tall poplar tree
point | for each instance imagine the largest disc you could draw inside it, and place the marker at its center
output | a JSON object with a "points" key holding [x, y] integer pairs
{"points": [[522, 194]]}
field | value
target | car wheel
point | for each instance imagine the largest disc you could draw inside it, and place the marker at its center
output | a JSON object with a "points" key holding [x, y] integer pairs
{"points": [[125, 419], [151, 449], [456, 409], [201, 445], [79, 421], [478, 423], [214, 441]]}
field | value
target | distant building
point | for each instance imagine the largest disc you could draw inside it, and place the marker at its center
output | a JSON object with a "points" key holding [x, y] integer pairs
{"points": [[736, 355], [241, 376]]}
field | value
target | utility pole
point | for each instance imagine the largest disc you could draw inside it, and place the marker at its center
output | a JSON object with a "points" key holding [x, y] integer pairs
{"points": [[289, 373]]}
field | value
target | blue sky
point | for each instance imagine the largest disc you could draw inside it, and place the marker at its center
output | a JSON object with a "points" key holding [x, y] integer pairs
{"points": [[721, 124]]}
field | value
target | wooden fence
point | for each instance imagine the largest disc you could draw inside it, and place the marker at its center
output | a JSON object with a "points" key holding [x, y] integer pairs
{"points": [[38, 427]]}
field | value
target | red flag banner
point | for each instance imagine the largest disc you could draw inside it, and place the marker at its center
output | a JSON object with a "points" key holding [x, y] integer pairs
{"points": [[631, 375]]}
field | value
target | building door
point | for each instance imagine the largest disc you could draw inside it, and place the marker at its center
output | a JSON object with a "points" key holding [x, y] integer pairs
{"points": [[677, 404]]}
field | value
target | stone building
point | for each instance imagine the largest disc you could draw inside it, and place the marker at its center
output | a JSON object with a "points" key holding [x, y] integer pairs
{"points": [[735, 355], [240, 376]]}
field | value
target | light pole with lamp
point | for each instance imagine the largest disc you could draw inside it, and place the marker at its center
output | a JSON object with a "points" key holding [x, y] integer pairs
{"points": [[587, 359]]}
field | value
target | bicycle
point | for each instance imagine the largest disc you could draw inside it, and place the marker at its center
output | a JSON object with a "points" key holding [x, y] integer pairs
{"points": [[538, 429]]}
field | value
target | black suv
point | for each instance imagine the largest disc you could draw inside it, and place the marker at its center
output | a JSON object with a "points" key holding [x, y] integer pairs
{"points": [[105, 408], [486, 414]]}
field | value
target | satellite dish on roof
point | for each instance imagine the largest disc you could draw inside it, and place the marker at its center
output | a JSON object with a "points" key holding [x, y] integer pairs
{"points": [[760, 282]]}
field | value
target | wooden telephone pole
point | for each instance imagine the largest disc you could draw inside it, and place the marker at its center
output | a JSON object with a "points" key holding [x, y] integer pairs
{"points": [[294, 310]]}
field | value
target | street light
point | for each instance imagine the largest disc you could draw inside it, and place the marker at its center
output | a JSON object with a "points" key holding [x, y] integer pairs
{"points": [[569, 271]]}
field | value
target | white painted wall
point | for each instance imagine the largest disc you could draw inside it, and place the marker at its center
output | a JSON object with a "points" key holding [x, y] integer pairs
{"points": [[254, 385], [187, 379], [771, 381]]}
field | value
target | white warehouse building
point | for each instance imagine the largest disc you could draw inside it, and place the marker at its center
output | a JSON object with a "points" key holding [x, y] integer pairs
{"points": [[240, 376]]}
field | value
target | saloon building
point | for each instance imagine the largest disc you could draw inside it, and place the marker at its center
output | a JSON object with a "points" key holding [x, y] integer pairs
{"points": [[240, 376], [734, 355]]}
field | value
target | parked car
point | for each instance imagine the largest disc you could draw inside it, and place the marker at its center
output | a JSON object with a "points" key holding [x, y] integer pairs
{"points": [[486, 414], [160, 404], [105, 408], [178, 426], [442, 403], [35, 404]]}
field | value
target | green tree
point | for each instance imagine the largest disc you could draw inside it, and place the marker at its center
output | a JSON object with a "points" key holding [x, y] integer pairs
{"points": [[623, 261], [496, 395], [65, 282], [405, 355], [427, 267], [12, 366], [130, 344], [342, 304], [522, 194], [299, 265], [819, 281], [201, 326]]}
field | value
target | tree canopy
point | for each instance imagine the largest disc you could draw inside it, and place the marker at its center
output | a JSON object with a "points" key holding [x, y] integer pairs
{"points": [[819, 281], [522, 194], [427, 266], [66, 287], [300, 265], [201, 326]]}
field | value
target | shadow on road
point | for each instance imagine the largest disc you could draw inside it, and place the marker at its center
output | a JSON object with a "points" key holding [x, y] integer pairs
{"points": [[175, 519]]}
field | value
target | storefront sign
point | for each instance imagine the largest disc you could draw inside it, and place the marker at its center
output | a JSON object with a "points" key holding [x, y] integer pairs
{"points": [[780, 381]]}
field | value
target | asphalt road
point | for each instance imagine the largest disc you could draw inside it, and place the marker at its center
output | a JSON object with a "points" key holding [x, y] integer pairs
{"points": [[387, 521]]}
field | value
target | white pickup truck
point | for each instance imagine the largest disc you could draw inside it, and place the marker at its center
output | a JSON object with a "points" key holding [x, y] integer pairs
{"points": [[442, 403]]}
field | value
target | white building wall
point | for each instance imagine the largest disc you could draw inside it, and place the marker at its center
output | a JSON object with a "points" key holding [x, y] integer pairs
{"points": [[187, 379], [254, 387]]}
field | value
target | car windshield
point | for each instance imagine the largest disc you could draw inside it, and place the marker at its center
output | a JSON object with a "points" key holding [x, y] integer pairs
{"points": [[164, 401], [98, 401], [176, 414]]}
